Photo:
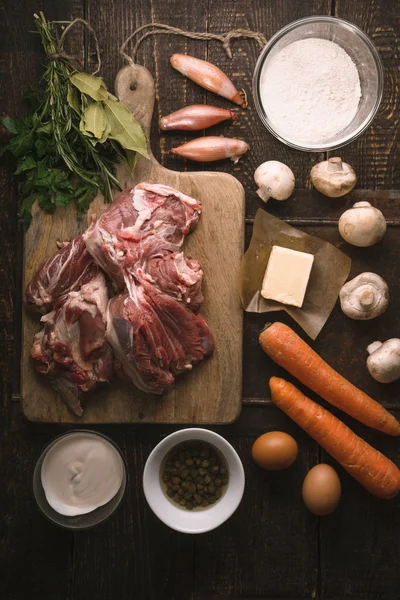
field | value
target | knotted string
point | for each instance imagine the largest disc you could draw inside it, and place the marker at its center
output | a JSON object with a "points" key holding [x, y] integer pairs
{"points": [[159, 28], [60, 53]]}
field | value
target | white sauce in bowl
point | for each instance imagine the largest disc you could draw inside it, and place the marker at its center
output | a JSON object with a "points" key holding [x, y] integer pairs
{"points": [[81, 472]]}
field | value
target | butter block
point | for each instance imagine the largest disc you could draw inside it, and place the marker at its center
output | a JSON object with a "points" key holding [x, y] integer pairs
{"points": [[287, 275]]}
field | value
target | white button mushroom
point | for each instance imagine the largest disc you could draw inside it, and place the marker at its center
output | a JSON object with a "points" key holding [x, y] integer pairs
{"points": [[274, 180], [333, 177], [362, 225], [364, 297], [383, 361]]}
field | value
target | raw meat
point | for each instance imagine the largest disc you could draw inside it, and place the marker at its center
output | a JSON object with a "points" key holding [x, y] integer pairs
{"points": [[178, 277], [66, 271], [155, 337], [72, 349], [144, 222]]}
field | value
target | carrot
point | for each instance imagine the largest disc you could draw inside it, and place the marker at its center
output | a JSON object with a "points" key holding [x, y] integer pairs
{"points": [[368, 466], [289, 351]]}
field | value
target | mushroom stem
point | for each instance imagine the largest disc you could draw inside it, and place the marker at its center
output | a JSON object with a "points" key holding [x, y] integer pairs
{"points": [[263, 194], [334, 164], [366, 298], [374, 346]]}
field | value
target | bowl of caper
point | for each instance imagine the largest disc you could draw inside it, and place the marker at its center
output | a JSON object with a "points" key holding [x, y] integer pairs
{"points": [[193, 480]]}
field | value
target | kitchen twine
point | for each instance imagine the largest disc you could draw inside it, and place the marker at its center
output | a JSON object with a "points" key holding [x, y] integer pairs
{"points": [[157, 29], [60, 53]]}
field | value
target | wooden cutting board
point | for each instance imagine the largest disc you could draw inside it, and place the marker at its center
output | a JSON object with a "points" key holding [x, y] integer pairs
{"points": [[212, 392]]}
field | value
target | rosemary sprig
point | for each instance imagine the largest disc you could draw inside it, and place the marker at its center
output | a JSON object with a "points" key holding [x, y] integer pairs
{"points": [[59, 153]]}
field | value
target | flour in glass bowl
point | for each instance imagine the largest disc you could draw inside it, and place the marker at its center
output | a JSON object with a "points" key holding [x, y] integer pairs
{"points": [[310, 91]]}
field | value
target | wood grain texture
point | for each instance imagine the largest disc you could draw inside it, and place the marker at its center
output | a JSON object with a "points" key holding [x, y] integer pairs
{"points": [[212, 392], [351, 554]]}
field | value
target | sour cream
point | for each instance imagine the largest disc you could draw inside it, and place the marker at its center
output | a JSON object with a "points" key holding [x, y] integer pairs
{"points": [[81, 472]]}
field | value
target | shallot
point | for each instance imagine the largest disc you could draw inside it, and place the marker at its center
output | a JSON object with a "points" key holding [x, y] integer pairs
{"points": [[212, 147], [195, 117], [208, 76]]}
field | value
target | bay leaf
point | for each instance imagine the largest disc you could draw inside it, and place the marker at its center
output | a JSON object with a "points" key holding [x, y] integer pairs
{"points": [[83, 130], [104, 137], [124, 127], [73, 99], [90, 85], [131, 159], [95, 119]]}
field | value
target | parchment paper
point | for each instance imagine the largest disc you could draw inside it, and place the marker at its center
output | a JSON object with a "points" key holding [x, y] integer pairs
{"points": [[330, 270]]}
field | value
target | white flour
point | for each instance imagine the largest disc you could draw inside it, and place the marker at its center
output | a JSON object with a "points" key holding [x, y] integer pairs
{"points": [[310, 90]]}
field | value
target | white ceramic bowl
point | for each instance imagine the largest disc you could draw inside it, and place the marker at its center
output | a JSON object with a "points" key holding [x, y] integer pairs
{"points": [[195, 521]]}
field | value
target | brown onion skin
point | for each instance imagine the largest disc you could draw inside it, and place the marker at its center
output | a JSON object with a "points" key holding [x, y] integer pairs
{"points": [[196, 117], [211, 148]]}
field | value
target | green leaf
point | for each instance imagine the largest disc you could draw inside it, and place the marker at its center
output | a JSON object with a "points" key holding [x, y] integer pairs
{"points": [[22, 143], [42, 147], [73, 100], [26, 164], [63, 198], [83, 130], [10, 125], [90, 85], [105, 135], [124, 128], [95, 120], [46, 129], [131, 159], [46, 201]]}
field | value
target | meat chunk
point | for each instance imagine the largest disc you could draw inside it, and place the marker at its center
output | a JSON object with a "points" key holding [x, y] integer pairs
{"points": [[178, 277], [144, 222], [72, 349], [155, 337], [66, 271]]}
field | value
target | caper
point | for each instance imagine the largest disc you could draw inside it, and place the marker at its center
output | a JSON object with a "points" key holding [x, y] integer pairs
{"points": [[218, 494], [170, 493], [214, 469], [218, 482], [182, 502], [211, 489], [175, 488], [205, 464], [222, 471], [211, 500], [189, 462], [197, 497], [176, 480], [204, 503], [207, 479], [189, 505], [202, 472]]}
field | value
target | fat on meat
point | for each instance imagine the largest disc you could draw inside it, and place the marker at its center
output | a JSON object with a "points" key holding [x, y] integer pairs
{"points": [[72, 349], [70, 268], [143, 222]]}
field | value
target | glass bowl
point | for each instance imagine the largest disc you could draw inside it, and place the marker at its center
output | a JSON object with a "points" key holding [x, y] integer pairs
{"points": [[88, 520], [360, 49]]}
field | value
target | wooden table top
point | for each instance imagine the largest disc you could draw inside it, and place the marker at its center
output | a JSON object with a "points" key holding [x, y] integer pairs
{"points": [[272, 547]]}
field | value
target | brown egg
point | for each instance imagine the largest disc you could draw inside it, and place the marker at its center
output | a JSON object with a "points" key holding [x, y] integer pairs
{"points": [[274, 450], [321, 490]]}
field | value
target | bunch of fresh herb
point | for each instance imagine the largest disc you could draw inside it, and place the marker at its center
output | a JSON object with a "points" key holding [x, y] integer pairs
{"points": [[66, 149]]}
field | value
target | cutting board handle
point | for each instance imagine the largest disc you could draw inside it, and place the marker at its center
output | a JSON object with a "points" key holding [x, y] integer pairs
{"points": [[134, 86]]}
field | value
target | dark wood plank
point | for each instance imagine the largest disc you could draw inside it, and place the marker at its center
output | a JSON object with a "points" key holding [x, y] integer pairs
{"points": [[346, 353], [374, 156], [267, 18], [269, 547], [35, 556], [359, 543], [359, 547]]}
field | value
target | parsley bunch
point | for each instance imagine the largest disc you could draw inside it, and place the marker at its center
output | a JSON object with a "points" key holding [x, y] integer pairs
{"points": [[60, 154]]}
